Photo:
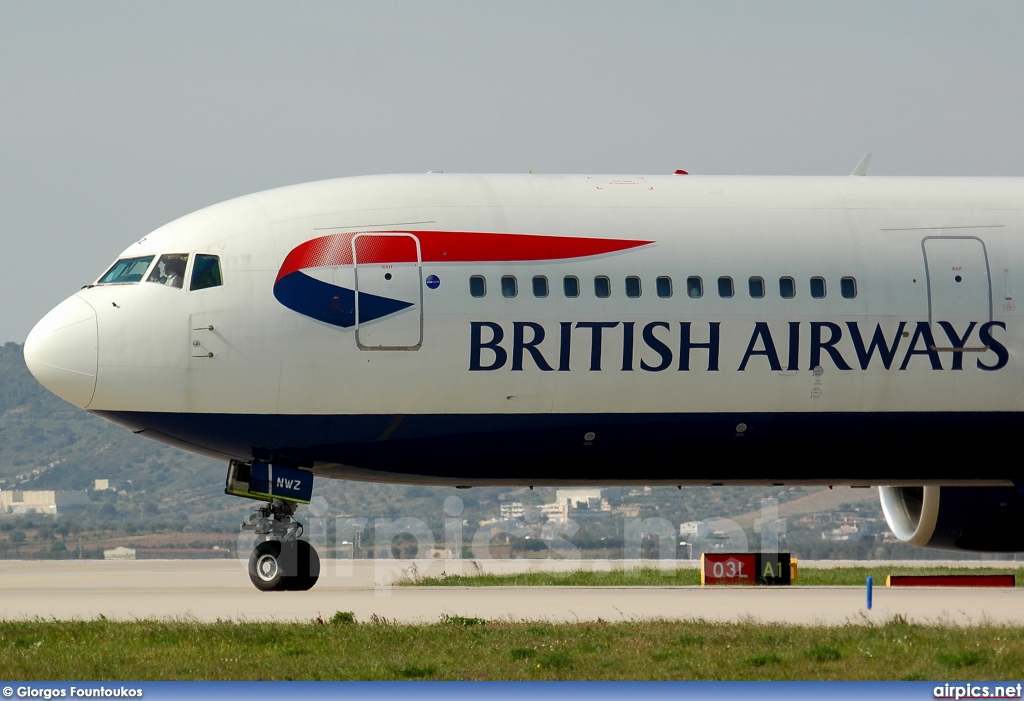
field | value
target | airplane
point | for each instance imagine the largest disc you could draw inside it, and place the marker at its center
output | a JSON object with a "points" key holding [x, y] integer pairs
{"points": [[462, 330]]}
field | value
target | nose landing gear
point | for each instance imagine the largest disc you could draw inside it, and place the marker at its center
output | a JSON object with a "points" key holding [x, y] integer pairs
{"points": [[281, 562]]}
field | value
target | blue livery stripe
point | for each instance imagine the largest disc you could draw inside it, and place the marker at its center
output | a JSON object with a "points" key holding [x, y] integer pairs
{"points": [[332, 304]]}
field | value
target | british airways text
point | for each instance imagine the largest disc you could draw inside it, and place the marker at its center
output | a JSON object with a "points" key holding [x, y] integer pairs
{"points": [[683, 346]]}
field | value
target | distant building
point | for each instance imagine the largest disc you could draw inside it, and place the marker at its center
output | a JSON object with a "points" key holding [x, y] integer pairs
{"points": [[518, 510], [116, 485], [843, 533], [692, 531], [565, 501], [557, 512], [174, 554], [49, 501], [578, 496], [513, 510], [119, 553]]}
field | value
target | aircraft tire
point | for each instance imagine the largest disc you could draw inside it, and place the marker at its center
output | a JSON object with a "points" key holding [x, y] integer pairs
{"points": [[266, 569], [307, 563]]}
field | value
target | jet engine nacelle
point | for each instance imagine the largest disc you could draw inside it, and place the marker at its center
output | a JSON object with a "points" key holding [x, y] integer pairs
{"points": [[982, 519]]}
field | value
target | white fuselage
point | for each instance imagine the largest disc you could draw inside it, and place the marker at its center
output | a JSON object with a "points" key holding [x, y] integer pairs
{"points": [[829, 309]]}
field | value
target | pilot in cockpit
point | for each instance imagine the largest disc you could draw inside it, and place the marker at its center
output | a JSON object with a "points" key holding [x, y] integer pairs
{"points": [[174, 269], [169, 270]]}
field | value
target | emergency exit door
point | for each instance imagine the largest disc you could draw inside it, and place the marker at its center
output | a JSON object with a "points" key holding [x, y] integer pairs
{"points": [[959, 284], [389, 292]]}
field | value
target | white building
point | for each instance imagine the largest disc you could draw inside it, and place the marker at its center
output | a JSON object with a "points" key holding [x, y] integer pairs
{"points": [[119, 553], [557, 512], [578, 496], [116, 485], [515, 509], [47, 501], [843, 533], [692, 531]]}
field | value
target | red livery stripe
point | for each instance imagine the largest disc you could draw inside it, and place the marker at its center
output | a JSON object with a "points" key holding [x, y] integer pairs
{"points": [[446, 246]]}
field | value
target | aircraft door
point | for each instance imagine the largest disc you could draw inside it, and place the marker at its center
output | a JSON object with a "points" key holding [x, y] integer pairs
{"points": [[959, 285], [389, 291]]}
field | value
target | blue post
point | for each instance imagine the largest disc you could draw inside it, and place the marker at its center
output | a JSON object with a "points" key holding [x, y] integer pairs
{"points": [[870, 582]]}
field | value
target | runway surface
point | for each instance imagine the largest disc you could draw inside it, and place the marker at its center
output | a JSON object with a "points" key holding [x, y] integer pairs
{"points": [[212, 590]]}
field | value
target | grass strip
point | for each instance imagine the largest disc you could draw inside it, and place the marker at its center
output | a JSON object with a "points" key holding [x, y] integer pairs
{"points": [[468, 648], [652, 577]]}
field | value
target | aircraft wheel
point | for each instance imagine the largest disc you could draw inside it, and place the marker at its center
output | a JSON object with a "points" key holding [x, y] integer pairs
{"points": [[266, 570], [307, 570]]}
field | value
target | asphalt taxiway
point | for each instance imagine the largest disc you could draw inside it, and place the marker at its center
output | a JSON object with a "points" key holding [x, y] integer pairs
{"points": [[212, 590]]}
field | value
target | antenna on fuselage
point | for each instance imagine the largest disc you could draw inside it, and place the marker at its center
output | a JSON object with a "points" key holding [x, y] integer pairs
{"points": [[862, 167]]}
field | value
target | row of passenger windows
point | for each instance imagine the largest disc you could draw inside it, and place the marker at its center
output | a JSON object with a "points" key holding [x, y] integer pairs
{"points": [[756, 287]]}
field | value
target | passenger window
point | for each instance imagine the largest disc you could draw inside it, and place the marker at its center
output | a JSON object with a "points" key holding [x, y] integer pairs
{"points": [[205, 272], [664, 285], [126, 270], [818, 287], [602, 286], [787, 287], [540, 286], [848, 287], [509, 286], [170, 270], [694, 287], [571, 286], [725, 287], [756, 287], [632, 286], [477, 286]]}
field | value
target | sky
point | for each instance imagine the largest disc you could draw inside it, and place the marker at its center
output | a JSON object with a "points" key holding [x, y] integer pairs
{"points": [[117, 117]]}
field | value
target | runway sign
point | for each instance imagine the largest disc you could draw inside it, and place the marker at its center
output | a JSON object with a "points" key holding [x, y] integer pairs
{"points": [[745, 569]]}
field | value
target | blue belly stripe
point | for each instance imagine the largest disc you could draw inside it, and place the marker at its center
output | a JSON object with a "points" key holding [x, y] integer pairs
{"points": [[625, 448]]}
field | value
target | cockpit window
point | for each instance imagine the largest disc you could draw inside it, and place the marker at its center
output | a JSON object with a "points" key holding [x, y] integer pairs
{"points": [[126, 270], [169, 270], [205, 272]]}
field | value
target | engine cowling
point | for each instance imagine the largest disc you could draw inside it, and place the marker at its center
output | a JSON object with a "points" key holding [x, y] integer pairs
{"points": [[979, 519]]}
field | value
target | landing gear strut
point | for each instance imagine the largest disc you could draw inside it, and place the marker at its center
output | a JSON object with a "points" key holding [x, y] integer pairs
{"points": [[280, 562]]}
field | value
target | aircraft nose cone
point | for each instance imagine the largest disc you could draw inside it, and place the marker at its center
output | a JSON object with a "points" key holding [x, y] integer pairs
{"points": [[61, 351]]}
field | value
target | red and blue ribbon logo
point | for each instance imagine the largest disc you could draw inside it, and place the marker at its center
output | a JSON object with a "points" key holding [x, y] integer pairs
{"points": [[335, 304]]}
